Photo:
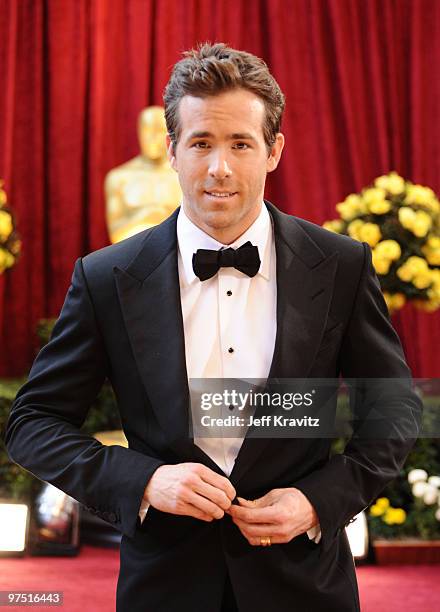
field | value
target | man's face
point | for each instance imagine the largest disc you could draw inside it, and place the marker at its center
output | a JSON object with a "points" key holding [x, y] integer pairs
{"points": [[222, 161]]}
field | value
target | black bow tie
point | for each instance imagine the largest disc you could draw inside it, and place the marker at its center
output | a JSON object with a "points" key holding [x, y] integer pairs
{"points": [[206, 263]]}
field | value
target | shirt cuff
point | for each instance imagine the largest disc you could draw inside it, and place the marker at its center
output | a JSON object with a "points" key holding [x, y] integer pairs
{"points": [[143, 511], [314, 533]]}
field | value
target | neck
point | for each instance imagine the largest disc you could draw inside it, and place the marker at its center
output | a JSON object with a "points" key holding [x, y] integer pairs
{"points": [[226, 235]]}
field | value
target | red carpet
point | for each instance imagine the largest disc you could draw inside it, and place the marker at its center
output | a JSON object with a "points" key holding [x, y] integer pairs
{"points": [[89, 583], [406, 588]]}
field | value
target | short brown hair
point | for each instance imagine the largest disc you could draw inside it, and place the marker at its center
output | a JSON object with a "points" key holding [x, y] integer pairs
{"points": [[213, 69]]}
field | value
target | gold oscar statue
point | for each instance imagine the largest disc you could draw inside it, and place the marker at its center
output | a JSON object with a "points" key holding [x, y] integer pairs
{"points": [[145, 190]]}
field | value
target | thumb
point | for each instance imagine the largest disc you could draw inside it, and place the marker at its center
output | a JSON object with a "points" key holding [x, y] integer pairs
{"points": [[251, 503]]}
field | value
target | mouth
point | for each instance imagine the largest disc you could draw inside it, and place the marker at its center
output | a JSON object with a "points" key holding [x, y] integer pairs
{"points": [[221, 195]]}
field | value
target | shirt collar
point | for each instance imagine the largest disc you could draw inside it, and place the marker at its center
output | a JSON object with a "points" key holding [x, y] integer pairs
{"points": [[190, 238]]}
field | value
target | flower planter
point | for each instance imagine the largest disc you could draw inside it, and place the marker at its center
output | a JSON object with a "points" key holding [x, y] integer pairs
{"points": [[406, 552]]}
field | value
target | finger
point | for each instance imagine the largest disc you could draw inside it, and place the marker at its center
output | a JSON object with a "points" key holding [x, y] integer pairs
{"points": [[254, 541], [203, 504], [268, 514], [252, 530], [217, 496], [257, 541], [217, 480], [260, 502], [190, 510], [247, 503]]}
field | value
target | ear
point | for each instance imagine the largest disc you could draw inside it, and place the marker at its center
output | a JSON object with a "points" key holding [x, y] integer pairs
{"points": [[275, 153], [171, 153]]}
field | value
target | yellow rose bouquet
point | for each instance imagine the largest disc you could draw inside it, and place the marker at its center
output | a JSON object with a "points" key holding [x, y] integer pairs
{"points": [[401, 223], [10, 245]]}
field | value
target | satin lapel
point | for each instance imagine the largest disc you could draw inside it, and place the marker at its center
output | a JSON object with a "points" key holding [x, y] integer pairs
{"points": [[149, 295], [305, 278]]}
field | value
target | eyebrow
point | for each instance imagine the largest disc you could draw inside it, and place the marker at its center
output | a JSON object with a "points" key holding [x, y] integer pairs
{"points": [[234, 136]]}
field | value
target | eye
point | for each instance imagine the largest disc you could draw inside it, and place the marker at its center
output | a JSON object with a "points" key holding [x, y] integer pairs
{"points": [[241, 146], [200, 145]]}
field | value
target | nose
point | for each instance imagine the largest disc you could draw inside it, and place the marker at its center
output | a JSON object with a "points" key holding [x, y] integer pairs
{"points": [[219, 167]]}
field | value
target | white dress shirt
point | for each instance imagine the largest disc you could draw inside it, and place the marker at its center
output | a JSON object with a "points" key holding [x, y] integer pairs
{"points": [[222, 322]]}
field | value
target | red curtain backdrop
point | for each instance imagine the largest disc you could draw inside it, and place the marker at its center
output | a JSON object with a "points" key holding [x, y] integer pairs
{"points": [[362, 88]]}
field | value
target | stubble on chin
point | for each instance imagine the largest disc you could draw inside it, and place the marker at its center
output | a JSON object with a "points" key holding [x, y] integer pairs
{"points": [[209, 217]]}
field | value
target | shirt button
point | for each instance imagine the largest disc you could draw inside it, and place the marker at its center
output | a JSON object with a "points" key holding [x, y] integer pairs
{"points": [[230, 349], [228, 292], [231, 406]]}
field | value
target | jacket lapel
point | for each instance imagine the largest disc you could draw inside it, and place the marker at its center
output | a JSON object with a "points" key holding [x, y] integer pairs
{"points": [[149, 295], [305, 278]]}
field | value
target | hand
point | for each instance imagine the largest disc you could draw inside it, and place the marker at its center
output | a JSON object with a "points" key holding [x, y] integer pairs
{"points": [[281, 514], [189, 489]]}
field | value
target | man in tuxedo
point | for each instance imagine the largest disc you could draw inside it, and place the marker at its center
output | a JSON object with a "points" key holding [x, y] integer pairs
{"points": [[227, 287]]}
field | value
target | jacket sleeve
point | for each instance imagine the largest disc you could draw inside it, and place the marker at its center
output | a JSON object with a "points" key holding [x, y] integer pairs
{"points": [[386, 414], [43, 430]]}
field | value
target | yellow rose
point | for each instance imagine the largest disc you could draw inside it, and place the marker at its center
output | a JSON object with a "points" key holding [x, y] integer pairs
{"points": [[374, 200], [389, 516], [433, 257], [351, 207], [433, 295], [422, 280], [347, 212], [407, 217], [417, 265], [376, 510], [390, 249], [355, 200], [398, 301], [335, 225], [433, 242], [418, 194], [372, 194], [433, 205], [3, 254], [431, 250], [383, 502], [399, 516], [405, 274], [394, 301], [392, 182], [379, 207], [9, 260], [5, 225], [422, 224], [381, 264], [353, 228], [435, 275], [394, 516], [370, 233]]}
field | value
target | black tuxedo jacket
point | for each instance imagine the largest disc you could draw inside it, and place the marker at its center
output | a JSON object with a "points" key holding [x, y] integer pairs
{"points": [[122, 319]]}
